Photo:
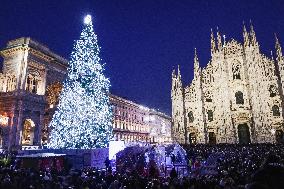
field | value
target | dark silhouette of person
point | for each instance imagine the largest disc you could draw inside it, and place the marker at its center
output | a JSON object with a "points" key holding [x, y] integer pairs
{"points": [[107, 163]]}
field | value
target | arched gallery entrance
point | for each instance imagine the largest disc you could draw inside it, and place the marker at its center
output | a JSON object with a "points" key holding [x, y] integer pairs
{"points": [[243, 133], [28, 132]]}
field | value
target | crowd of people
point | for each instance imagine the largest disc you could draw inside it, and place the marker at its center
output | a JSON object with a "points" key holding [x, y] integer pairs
{"points": [[254, 166]]}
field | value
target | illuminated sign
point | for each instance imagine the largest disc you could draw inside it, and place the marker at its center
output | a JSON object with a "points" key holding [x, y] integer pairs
{"points": [[4, 120]]}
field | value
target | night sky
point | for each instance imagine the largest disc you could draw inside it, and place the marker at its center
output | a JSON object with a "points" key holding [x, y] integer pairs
{"points": [[142, 41]]}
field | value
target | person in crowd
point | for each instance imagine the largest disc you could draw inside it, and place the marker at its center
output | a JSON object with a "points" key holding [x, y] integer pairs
{"points": [[107, 163]]}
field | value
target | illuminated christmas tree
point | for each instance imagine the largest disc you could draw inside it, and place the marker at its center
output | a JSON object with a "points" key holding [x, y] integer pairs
{"points": [[83, 119]]}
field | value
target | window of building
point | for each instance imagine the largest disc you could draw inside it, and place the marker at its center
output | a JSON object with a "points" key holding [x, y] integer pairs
{"points": [[190, 117], [275, 110], [11, 83], [210, 115], [236, 71], [208, 100], [32, 84], [272, 90], [52, 93], [28, 86], [208, 96], [239, 97], [28, 132]]}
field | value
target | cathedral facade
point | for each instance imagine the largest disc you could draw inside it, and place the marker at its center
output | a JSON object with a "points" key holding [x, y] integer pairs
{"points": [[236, 98]]}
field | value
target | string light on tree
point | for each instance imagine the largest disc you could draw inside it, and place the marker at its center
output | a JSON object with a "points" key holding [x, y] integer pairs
{"points": [[83, 119]]}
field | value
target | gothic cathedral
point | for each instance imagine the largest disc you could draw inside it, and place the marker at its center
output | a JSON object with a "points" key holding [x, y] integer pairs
{"points": [[236, 98]]}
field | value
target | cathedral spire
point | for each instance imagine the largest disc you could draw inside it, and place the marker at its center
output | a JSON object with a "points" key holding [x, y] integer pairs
{"points": [[179, 83], [196, 62], [176, 81], [278, 48], [178, 76], [271, 54], [174, 73], [213, 43], [252, 35], [219, 40], [173, 80], [224, 40], [245, 35]]}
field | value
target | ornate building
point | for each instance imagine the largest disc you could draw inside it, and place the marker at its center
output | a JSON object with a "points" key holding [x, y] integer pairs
{"points": [[136, 123], [236, 98], [28, 69], [30, 85]]}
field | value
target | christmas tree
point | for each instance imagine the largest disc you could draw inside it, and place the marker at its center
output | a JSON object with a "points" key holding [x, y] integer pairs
{"points": [[83, 119]]}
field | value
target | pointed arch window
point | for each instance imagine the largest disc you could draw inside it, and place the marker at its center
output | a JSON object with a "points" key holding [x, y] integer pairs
{"points": [[239, 97], [210, 115], [275, 110], [208, 97], [190, 117], [236, 71], [272, 90]]}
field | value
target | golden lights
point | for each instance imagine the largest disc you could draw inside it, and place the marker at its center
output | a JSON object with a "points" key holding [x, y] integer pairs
{"points": [[4, 120]]}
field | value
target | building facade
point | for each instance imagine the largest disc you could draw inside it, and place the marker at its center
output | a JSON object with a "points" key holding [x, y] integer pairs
{"points": [[30, 84], [133, 122], [28, 69], [236, 98]]}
